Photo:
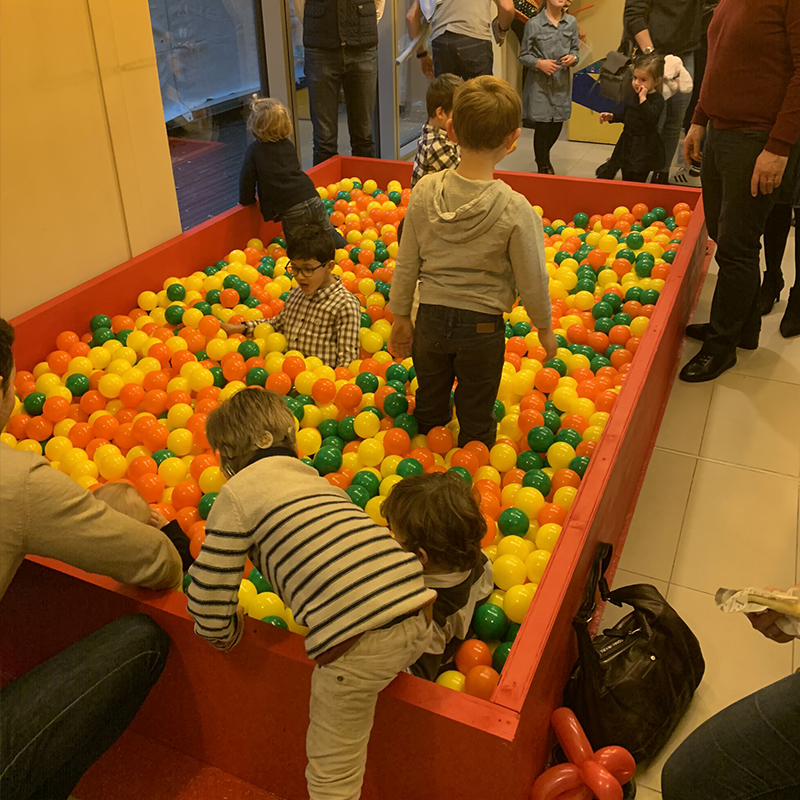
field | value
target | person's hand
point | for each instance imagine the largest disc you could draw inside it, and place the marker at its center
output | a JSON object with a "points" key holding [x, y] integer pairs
{"points": [[768, 173], [568, 60], [157, 520], [693, 144], [766, 623], [426, 64], [606, 116], [401, 337], [498, 33], [547, 339], [547, 65], [231, 329], [226, 647], [642, 92]]}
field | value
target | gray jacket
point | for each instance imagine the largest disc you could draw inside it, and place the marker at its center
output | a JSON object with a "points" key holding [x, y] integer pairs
{"points": [[548, 98]]}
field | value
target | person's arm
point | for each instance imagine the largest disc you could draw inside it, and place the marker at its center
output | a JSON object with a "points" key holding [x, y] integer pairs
{"points": [[530, 54], [636, 21], [247, 180], [574, 45], [404, 283], [526, 254], [651, 109], [69, 524], [217, 572], [505, 14], [348, 345], [414, 24], [771, 164]]}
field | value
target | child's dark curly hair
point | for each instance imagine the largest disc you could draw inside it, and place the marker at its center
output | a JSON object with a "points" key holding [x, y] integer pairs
{"points": [[438, 513]]}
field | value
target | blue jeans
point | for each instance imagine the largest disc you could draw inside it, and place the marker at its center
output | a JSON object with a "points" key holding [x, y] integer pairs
{"points": [[461, 55], [736, 223], [672, 119], [57, 720], [356, 71], [310, 212], [450, 344], [749, 750]]}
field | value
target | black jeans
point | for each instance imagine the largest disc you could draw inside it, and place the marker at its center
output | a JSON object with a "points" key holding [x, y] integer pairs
{"points": [[749, 750], [736, 223], [635, 177], [455, 344], [356, 71], [57, 720], [545, 135], [311, 212], [776, 234], [461, 55]]}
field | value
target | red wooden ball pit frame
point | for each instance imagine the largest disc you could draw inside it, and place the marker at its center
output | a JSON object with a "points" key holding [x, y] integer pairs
{"points": [[246, 712]]}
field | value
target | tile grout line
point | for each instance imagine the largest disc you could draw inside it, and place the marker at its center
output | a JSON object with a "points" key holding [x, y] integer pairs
{"points": [[683, 523], [707, 460]]}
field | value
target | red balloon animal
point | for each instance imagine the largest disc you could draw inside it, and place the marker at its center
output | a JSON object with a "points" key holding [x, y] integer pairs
{"points": [[589, 774]]}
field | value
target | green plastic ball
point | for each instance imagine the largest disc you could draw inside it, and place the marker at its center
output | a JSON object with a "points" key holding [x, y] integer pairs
{"points": [[500, 655], [101, 336], [99, 321], [634, 240], [257, 376], [174, 315], [540, 438], [408, 467], [529, 460], [77, 383], [358, 494], [206, 503], [248, 349], [490, 622], [537, 479], [600, 310], [328, 427], [513, 522], [408, 422], [552, 419], [368, 481], [259, 581], [499, 410], [278, 622], [346, 429], [395, 404], [579, 464], [462, 473], [327, 460], [512, 631], [367, 382], [34, 403], [162, 455], [396, 372], [176, 292], [570, 436]]}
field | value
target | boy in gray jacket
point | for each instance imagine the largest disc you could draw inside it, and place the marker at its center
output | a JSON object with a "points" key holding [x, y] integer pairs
{"points": [[473, 244]]}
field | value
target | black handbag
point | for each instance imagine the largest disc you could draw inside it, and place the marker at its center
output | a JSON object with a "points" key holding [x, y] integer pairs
{"points": [[632, 684], [615, 81]]}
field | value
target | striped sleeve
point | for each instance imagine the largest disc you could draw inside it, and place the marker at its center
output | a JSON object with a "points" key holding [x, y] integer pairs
{"points": [[217, 572]]}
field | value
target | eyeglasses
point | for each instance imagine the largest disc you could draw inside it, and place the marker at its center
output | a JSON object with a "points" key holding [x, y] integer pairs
{"points": [[306, 272]]}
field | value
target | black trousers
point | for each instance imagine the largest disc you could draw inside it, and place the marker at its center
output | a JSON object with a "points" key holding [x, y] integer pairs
{"points": [[455, 344], [545, 135], [776, 234], [461, 55], [736, 222], [635, 177]]}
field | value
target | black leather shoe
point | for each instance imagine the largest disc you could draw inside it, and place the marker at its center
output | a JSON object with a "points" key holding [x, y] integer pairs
{"points": [[699, 331], [707, 367], [771, 288], [790, 324]]}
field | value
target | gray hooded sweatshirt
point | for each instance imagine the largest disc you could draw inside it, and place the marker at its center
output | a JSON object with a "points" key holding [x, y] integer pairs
{"points": [[474, 245]]}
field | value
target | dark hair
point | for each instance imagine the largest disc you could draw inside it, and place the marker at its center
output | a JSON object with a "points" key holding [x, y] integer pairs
{"points": [[441, 92], [311, 242], [652, 63], [6, 356], [437, 512]]}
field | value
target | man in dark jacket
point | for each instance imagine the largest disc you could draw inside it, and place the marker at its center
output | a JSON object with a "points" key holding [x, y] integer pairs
{"points": [[748, 114], [340, 38], [671, 27]]}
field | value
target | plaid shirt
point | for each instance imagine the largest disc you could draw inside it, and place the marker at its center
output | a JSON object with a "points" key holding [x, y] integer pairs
{"points": [[435, 152], [325, 325]]}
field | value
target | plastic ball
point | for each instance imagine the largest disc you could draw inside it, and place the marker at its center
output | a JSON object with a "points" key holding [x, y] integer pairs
{"points": [[452, 679], [517, 601], [509, 571], [489, 622]]}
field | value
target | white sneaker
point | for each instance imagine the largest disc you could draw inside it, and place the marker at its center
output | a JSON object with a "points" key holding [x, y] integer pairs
{"points": [[686, 176]]}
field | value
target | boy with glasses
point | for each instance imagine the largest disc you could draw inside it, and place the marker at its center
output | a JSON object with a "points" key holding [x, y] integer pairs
{"points": [[320, 317]]}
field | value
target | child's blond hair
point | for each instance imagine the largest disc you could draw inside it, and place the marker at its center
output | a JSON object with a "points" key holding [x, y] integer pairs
{"points": [[269, 120], [125, 498], [250, 420], [486, 110]]}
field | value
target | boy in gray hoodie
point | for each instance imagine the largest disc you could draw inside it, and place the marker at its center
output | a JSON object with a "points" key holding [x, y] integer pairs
{"points": [[473, 244]]}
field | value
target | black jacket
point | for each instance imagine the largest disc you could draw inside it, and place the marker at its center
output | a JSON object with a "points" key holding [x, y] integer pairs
{"points": [[273, 169], [640, 147], [330, 24], [675, 25]]}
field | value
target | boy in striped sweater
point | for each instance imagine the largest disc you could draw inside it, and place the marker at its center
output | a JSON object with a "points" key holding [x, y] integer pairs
{"points": [[357, 590], [436, 517]]}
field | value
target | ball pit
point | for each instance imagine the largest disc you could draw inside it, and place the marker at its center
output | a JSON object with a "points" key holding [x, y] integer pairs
{"points": [[519, 482]]}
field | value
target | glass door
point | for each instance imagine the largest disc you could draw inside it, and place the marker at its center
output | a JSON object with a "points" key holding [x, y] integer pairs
{"points": [[411, 83], [210, 63]]}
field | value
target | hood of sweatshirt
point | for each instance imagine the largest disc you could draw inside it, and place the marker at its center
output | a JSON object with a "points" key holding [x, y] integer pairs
{"points": [[462, 222]]}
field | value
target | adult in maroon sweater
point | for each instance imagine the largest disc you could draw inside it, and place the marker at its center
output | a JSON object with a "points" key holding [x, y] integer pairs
{"points": [[749, 116]]}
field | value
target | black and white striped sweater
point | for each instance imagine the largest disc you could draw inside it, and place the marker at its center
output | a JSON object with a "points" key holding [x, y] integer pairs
{"points": [[339, 573]]}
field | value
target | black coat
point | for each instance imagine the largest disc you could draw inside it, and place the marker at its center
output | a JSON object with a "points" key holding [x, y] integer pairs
{"points": [[640, 147], [675, 25], [330, 24]]}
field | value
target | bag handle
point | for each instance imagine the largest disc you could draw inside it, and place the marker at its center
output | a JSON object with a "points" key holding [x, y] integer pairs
{"points": [[595, 581]]}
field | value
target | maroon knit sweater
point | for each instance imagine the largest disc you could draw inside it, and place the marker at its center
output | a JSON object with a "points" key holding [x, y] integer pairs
{"points": [[752, 79]]}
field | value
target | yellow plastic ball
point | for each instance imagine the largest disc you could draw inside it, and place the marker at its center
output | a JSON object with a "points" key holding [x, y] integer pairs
{"points": [[172, 471], [547, 536], [147, 301], [110, 385], [309, 440], [518, 600], [373, 509], [57, 448], [247, 593], [514, 546], [371, 452], [486, 473], [388, 483], [565, 497], [560, 454], [366, 425], [180, 442], [212, 479], [452, 679], [503, 457], [509, 570], [536, 563], [529, 500], [266, 604], [508, 494]]}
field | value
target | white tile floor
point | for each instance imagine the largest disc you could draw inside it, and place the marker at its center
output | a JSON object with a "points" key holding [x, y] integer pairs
{"points": [[575, 159], [719, 507]]}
